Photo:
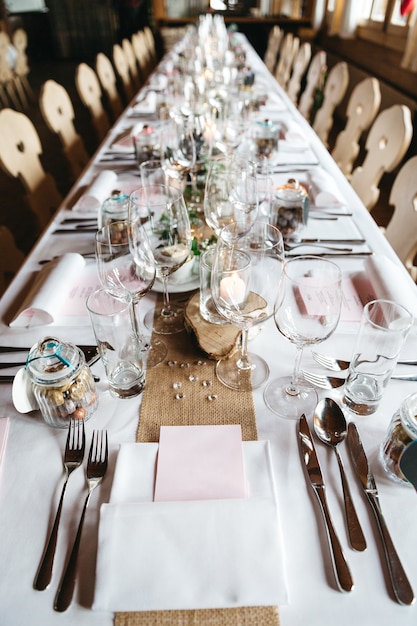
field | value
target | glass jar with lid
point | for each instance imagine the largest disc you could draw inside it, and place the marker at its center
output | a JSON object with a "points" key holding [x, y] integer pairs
{"points": [[401, 432], [114, 209], [265, 138], [289, 211], [62, 382]]}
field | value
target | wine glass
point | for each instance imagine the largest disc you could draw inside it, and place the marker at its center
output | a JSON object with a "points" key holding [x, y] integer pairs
{"points": [[178, 154], [230, 195], [127, 270], [245, 293], [307, 312], [162, 211]]}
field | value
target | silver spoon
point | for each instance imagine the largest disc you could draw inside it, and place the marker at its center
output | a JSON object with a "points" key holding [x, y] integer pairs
{"points": [[331, 428]]}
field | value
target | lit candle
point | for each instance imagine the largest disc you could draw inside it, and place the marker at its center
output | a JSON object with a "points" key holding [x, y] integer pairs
{"points": [[232, 289]]}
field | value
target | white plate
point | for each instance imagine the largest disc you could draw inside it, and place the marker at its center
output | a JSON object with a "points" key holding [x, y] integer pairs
{"points": [[190, 285]]}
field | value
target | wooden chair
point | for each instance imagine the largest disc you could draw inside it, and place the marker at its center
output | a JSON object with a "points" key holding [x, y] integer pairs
{"points": [[334, 91], [314, 74], [288, 52], [20, 149], [108, 80], [132, 63], [142, 53], [8, 95], [151, 46], [89, 90], [401, 231], [21, 68], [299, 67], [362, 108], [122, 69], [386, 144], [274, 42], [11, 258], [58, 113]]}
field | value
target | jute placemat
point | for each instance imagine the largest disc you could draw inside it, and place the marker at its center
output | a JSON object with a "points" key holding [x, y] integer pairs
{"points": [[184, 390]]}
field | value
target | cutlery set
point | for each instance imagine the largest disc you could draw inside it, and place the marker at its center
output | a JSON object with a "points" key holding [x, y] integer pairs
{"points": [[96, 469], [329, 420]]}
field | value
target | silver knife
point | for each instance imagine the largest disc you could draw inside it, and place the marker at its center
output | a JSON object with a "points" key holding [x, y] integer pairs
{"points": [[399, 581], [319, 240], [341, 568], [335, 254]]}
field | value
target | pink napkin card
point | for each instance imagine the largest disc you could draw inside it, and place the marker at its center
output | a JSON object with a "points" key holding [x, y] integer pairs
{"points": [[4, 431], [200, 463]]}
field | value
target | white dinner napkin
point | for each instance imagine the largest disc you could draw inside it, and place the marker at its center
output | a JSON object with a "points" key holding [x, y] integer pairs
{"points": [[124, 142], [390, 282], [147, 106], [323, 189], [98, 191], [50, 287], [294, 137], [188, 554]]}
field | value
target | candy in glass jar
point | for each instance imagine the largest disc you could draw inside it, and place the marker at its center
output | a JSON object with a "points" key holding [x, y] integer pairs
{"points": [[114, 209], [401, 432], [62, 382]]}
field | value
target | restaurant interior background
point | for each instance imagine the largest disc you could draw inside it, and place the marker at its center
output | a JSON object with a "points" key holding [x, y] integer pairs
{"points": [[62, 33]]}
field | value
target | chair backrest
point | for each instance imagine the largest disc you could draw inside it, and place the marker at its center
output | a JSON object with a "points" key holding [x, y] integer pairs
{"points": [[361, 110], [387, 142], [274, 42], [122, 68], [132, 63], [8, 95], [150, 43], [11, 258], [58, 113], [142, 53], [20, 149], [108, 80], [89, 90], [334, 91], [314, 74], [20, 42], [288, 52], [299, 67], [401, 231]]}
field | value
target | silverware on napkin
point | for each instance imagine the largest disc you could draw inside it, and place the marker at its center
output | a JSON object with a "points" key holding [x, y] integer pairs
{"points": [[399, 581], [341, 568]]}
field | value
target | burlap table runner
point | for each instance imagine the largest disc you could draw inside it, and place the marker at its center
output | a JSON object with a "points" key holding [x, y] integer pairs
{"points": [[184, 390]]}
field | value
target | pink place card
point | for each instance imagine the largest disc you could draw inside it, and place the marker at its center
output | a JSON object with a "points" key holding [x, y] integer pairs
{"points": [[356, 292], [200, 463]]}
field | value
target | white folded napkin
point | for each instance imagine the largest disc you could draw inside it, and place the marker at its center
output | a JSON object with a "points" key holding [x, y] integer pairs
{"points": [[188, 554], [391, 283], [323, 189], [124, 142], [98, 191], [50, 287], [147, 106], [294, 137]]}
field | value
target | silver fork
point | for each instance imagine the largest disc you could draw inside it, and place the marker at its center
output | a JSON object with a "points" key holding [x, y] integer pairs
{"points": [[334, 382], [292, 246], [339, 365], [96, 469], [73, 457]]}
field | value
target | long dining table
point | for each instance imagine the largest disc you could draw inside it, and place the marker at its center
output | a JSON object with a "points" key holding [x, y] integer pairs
{"points": [[31, 474]]}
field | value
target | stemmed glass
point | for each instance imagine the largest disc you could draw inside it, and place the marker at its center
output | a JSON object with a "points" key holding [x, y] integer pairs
{"points": [[127, 270], [178, 154], [230, 195], [307, 312], [246, 273], [162, 211]]}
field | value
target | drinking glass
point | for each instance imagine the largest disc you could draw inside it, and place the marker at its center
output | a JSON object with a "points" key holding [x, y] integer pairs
{"points": [[230, 195], [127, 270], [245, 292], [178, 154], [307, 312], [162, 211]]}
